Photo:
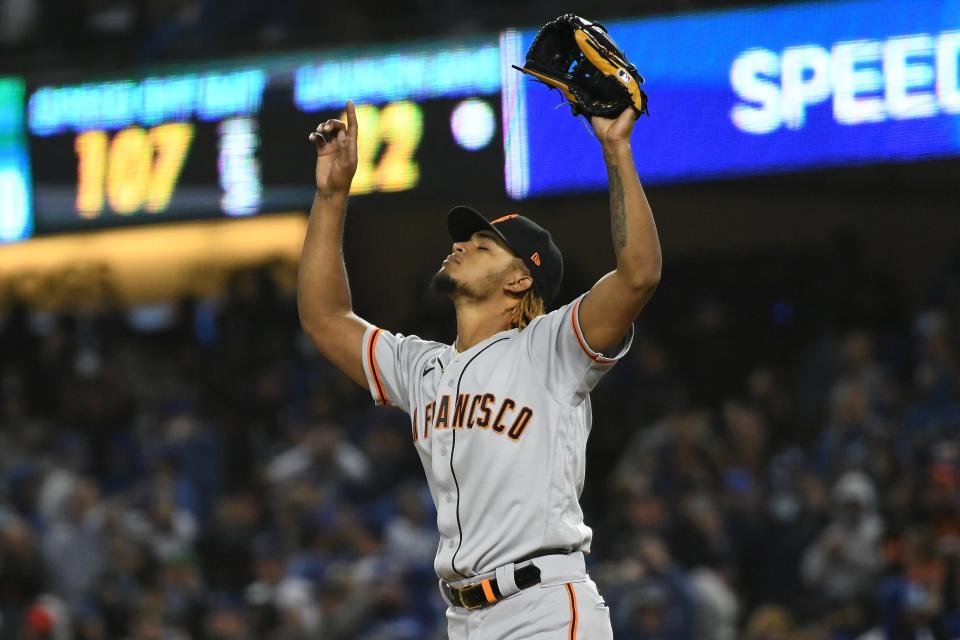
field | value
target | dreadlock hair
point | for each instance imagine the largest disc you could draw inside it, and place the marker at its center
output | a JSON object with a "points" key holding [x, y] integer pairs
{"points": [[529, 307]]}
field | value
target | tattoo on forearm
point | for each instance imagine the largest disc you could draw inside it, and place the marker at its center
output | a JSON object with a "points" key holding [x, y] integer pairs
{"points": [[618, 214]]}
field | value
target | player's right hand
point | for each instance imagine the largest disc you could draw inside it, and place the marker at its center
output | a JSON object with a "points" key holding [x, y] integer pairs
{"points": [[336, 144]]}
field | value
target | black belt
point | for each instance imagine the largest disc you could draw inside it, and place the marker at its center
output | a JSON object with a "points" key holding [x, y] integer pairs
{"points": [[486, 592]]}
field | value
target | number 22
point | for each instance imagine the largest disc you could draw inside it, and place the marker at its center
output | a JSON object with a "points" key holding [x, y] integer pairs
{"points": [[389, 138]]}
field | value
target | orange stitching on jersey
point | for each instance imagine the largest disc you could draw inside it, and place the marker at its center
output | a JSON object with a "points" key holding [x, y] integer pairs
{"points": [[459, 409], [473, 409], [525, 414], [485, 409], [580, 340], [573, 611], [372, 356], [500, 414], [443, 411]]}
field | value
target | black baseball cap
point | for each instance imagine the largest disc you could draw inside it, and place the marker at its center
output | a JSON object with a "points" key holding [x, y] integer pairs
{"points": [[529, 241]]}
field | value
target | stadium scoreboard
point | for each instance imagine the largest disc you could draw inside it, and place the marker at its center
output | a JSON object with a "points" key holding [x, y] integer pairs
{"points": [[732, 93], [233, 142]]}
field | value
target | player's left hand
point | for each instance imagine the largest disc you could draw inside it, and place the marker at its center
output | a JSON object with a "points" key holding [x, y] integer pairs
{"points": [[613, 131]]}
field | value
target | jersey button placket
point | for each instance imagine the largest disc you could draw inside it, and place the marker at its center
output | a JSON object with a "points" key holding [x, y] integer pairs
{"points": [[447, 510]]}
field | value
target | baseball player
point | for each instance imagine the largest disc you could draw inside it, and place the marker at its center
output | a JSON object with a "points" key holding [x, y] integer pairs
{"points": [[499, 418]]}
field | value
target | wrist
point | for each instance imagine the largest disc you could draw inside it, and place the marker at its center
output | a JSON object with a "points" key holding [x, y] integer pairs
{"points": [[332, 195], [616, 147]]}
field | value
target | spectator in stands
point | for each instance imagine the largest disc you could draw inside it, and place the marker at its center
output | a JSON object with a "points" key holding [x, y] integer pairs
{"points": [[655, 600], [74, 545], [843, 561]]}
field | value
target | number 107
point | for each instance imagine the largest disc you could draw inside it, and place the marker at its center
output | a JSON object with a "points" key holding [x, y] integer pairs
{"points": [[136, 170]]}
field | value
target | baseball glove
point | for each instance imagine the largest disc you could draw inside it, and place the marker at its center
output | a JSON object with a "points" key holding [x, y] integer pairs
{"points": [[580, 59]]}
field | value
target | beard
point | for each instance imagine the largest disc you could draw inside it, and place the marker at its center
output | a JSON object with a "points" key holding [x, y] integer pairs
{"points": [[442, 284]]}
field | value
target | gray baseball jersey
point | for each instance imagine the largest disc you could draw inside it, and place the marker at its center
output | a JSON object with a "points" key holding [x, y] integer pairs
{"points": [[501, 430]]}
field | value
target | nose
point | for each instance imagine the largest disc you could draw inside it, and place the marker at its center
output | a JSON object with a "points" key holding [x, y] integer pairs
{"points": [[459, 248]]}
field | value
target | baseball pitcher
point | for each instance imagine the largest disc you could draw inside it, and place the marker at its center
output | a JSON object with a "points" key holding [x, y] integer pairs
{"points": [[500, 418]]}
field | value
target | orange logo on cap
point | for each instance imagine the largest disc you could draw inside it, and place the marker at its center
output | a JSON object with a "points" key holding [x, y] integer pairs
{"points": [[536, 258], [502, 218]]}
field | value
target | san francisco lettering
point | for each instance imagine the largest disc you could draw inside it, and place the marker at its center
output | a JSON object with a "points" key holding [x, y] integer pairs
{"points": [[479, 411]]}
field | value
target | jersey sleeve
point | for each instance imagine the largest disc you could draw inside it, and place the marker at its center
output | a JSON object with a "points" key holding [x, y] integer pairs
{"points": [[570, 368], [389, 362]]}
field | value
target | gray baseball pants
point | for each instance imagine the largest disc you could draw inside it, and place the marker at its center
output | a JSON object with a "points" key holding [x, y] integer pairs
{"points": [[564, 606]]}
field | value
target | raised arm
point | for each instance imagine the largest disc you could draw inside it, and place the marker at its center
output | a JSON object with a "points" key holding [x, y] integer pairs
{"points": [[323, 294], [615, 301]]}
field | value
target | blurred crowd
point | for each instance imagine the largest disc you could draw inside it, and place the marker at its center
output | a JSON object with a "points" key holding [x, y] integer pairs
{"points": [[783, 471], [43, 32]]}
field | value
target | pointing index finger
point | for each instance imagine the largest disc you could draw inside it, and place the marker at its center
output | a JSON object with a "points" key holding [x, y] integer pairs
{"points": [[351, 119]]}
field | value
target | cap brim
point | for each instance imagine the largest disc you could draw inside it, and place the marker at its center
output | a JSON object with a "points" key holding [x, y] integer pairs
{"points": [[463, 222]]}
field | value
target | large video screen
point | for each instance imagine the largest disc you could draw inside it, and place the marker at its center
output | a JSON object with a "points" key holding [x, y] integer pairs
{"points": [[231, 140], [16, 220], [755, 91]]}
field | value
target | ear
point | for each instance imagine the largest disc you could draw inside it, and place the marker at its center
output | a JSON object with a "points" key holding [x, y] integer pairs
{"points": [[518, 284]]}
